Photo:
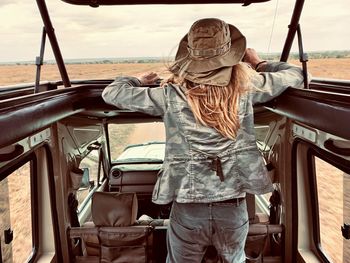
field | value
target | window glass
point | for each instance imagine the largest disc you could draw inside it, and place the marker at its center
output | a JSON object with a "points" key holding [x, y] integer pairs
{"points": [[326, 38], [333, 189], [260, 135], [16, 214], [100, 176], [137, 141], [265, 25], [90, 162]]}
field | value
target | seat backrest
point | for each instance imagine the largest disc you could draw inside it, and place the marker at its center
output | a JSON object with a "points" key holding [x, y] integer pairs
{"points": [[126, 244], [114, 209], [112, 236]]}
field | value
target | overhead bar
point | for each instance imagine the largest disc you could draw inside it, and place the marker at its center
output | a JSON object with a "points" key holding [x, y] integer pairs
{"points": [[96, 3]]}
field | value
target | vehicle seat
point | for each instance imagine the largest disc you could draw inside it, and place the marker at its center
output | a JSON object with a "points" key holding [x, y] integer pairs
{"points": [[260, 230], [112, 235]]}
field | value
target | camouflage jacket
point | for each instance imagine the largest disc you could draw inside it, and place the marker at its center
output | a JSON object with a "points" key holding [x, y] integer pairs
{"points": [[201, 165]]}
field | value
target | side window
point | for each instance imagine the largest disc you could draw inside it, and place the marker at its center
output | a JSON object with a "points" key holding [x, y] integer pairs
{"points": [[16, 215], [333, 190], [262, 141], [331, 60], [261, 132], [90, 181]]}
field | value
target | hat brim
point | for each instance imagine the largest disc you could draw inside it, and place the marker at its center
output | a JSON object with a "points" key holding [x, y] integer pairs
{"points": [[218, 77], [185, 63]]}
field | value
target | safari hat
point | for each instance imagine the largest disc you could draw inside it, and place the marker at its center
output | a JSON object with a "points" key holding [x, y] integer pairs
{"points": [[207, 53]]}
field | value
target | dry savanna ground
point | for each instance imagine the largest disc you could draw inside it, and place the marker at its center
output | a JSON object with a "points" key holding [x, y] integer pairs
{"points": [[333, 200], [14, 74]]}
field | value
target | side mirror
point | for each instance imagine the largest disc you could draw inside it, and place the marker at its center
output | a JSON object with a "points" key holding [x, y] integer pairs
{"points": [[85, 181]]}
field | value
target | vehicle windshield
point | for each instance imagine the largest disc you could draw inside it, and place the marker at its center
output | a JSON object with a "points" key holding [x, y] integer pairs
{"points": [[109, 41], [105, 42], [137, 142], [147, 152]]}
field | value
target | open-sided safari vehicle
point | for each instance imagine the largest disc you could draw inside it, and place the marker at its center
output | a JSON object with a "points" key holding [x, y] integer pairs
{"points": [[65, 161]]}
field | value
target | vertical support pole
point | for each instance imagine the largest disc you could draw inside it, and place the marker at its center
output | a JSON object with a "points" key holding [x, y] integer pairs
{"points": [[292, 29], [53, 41], [39, 61], [303, 58]]}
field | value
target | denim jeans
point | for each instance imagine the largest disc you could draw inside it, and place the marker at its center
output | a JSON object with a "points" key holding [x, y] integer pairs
{"points": [[195, 226]]}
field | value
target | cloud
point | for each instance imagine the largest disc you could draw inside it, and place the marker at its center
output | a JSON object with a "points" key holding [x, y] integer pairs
{"points": [[7, 2], [154, 30]]}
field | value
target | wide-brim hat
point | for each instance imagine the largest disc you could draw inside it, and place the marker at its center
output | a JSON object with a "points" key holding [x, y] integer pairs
{"points": [[207, 53]]}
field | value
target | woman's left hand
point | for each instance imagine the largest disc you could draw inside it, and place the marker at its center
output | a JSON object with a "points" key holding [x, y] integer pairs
{"points": [[148, 78]]}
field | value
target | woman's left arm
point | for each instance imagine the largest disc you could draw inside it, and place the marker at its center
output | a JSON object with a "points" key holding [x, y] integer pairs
{"points": [[274, 79]]}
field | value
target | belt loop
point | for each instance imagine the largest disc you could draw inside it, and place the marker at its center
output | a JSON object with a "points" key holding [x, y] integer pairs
{"points": [[210, 211]]}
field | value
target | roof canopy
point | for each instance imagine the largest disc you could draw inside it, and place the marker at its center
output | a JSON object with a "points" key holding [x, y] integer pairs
{"points": [[96, 3]]}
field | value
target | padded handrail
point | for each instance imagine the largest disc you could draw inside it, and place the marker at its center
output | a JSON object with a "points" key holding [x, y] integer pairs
{"points": [[264, 229], [75, 232], [321, 110], [38, 111], [254, 229], [18, 150]]}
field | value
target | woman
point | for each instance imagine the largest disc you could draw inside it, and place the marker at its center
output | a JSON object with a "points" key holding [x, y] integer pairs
{"points": [[211, 157]]}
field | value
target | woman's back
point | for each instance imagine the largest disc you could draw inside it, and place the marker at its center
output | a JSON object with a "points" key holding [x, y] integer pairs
{"points": [[211, 158]]}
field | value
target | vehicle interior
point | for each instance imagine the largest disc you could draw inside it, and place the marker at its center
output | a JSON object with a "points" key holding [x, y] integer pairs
{"points": [[90, 168]]}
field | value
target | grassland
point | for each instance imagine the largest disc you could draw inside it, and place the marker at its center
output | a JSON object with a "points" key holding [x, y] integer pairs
{"points": [[15, 74]]}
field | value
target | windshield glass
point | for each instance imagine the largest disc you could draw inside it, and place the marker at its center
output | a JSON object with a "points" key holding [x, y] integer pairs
{"points": [[151, 151], [137, 142]]}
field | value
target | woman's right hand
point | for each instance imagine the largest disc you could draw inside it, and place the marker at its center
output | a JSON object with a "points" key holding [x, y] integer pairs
{"points": [[252, 58]]}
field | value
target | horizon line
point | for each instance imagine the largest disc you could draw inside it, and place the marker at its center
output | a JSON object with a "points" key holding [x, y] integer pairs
{"points": [[151, 58]]}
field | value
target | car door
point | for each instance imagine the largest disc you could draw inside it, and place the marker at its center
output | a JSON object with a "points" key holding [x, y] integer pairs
{"points": [[308, 146], [305, 138]]}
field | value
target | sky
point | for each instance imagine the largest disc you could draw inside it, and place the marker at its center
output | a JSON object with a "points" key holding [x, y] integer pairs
{"points": [[144, 31]]}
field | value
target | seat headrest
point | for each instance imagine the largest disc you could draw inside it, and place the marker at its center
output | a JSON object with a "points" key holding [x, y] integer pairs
{"points": [[114, 209]]}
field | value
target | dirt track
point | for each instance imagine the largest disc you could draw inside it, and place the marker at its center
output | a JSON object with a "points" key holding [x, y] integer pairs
{"points": [[147, 132]]}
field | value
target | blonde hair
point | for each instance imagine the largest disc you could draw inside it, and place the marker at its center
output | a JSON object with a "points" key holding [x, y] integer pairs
{"points": [[217, 106]]}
